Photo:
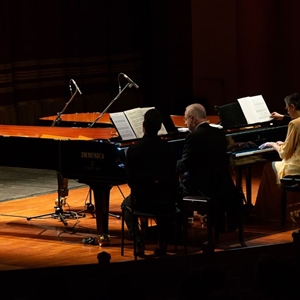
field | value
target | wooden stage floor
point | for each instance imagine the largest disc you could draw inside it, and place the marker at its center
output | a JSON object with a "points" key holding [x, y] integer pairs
{"points": [[47, 242]]}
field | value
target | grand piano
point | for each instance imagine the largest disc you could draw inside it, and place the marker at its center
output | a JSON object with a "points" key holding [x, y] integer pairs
{"points": [[244, 141], [84, 154]]}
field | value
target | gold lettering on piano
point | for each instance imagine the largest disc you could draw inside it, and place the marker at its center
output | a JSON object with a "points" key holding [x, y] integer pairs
{"points": [[92, 155]]}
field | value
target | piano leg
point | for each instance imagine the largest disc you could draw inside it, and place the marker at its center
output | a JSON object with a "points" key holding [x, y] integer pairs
{"points": [[239, 176], [101, 198], [249, 185]]}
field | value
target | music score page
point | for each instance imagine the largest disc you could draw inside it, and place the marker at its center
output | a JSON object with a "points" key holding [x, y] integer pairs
{"points": [[255, 109], [122, 125], [129, 123]]}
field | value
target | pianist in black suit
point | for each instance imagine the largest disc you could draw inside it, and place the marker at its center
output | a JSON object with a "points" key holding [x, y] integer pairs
{"points": [[204, 166], [152, 156], [267, 205]]}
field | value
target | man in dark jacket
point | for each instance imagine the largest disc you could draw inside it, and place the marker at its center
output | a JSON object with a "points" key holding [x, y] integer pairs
{"points": [[204, 165], [150, 157]]}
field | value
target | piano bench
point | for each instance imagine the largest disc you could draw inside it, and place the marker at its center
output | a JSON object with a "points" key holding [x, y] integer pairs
{"points": [[289, 183], [204, 204], [198, 203], [172, 215]]}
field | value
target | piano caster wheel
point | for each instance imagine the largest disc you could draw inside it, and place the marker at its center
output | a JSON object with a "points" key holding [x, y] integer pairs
{"points": [[58, 210]]}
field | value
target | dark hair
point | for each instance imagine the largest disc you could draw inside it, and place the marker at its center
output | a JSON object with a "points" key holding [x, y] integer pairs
{"points": [[152, 121], [293, 99]]}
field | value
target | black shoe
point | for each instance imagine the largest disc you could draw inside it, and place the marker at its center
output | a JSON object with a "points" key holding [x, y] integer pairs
{"points": [[160, 251], [140, 247]]}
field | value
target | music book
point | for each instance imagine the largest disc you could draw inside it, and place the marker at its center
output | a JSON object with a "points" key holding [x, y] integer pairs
{"points": [[255, 109], [129, 123]]}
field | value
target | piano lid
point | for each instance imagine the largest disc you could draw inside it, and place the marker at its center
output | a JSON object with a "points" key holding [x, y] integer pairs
{"points": [[232, 118]]}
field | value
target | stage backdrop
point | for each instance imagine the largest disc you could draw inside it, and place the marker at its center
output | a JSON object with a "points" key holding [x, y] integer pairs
{"points": [[44, 44], [177, 51]]}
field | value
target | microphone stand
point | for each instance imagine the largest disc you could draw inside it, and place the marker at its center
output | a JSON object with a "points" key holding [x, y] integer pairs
{"points": [[109, 105], [58, 119]]}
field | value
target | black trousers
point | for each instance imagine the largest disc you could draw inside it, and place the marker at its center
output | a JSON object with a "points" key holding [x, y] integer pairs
{"points": [[163, 223]]}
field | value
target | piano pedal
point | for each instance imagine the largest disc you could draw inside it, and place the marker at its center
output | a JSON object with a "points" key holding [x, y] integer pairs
{"points": [[61, 202]]}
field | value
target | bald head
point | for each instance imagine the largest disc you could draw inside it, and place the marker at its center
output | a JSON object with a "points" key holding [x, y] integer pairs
{"points": [[194, 115]]}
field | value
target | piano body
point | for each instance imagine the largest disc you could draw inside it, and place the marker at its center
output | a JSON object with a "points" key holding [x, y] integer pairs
{"points": [[93, 156], [84, 154]]}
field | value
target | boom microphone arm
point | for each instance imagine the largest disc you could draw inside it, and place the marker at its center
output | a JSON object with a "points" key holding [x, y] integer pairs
{"points": [[58, 119], [109, 105]]}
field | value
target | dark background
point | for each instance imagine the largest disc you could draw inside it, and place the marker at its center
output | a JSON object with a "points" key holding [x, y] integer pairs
{"points": [[177, 51]]}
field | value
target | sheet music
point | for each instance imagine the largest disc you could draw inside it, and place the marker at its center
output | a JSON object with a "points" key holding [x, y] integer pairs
{"points": [[255, 109], [129, 123], [163, 129], [124, 129], [136, 118]]}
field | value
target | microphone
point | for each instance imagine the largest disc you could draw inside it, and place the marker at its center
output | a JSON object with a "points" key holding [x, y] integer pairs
{"points": [[119, 84], [130, 81], [70, 87], [76, 86]]}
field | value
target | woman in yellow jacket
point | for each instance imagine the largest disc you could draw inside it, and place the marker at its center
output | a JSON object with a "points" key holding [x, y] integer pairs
{"points": [[268, 201]]}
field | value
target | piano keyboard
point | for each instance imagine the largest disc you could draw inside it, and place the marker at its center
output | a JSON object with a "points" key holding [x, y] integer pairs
{"points": [[247, 152]]}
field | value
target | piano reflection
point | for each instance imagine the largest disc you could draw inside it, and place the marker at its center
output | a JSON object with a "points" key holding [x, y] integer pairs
{"points": [[78, 120], [84, 119]]}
